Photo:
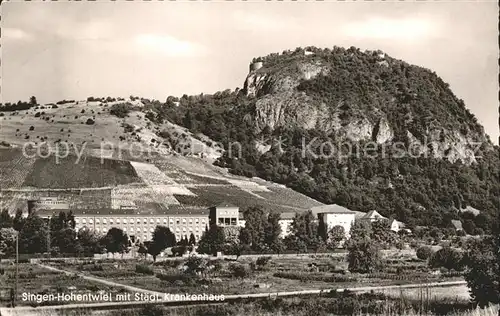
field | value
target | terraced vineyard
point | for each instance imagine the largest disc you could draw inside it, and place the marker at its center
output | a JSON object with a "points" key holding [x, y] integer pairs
{"points": [[87, 173], [14, 168]]}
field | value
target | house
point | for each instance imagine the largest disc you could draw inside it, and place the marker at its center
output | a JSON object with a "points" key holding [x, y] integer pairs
{"points": [[372, 216], [457, 225], [396, 226], [335, 215]]}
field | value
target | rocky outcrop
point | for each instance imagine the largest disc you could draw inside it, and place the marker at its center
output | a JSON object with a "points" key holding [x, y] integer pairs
{"points": [[279, 102]]}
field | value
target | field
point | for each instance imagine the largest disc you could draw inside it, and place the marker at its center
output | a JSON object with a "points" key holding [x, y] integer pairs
{"points": [[87, 173], [277, 274], [38, 280]]}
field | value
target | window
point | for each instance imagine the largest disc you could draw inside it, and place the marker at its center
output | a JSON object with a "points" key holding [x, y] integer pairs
{"points": [[124, 221], [111, 221], [177, 221], [171, 221], [138, 220], [190, 221], [184, 221], [196, 221], [151, 230], [157, 221], [77, 221], [84, 221], [221, 221], [98, 221], [131, 229], [164, 221], [203, 221], [152, 221], [97, 230], [118, 221], [145, 221], [91, 221], [144, 229], [233, 221]]}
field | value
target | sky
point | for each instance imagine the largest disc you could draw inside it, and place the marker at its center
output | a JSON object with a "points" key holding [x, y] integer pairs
{"points": [[72, 50]]}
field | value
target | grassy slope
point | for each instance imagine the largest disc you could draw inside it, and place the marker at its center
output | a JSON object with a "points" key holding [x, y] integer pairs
{"points": [[210, 183]]}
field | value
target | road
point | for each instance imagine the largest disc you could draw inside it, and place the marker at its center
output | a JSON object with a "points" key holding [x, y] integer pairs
{"points": [[32, 311]]}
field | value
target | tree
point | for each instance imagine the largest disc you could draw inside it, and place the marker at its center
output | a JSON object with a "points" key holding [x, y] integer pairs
{"points": [[163, 237], [483, 270], [305, 229], [7, 242], [272, 234], [364, 255], [255, 228], [90, 242], [142, 250], [6, 220], [381, 232], [424, 252], [116, 241], [195, 265], [18, 221], [33, 235], [33, 101], [335, 236], [448, 258], [192, 240], [212, 241], [65, 240]]}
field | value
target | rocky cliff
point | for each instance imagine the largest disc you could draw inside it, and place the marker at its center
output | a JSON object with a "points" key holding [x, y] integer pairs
{"points": [[363, 96]]}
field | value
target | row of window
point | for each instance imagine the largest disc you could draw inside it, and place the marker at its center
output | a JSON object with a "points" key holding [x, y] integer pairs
{"points": [[230, 221], [171, 221], [145, 230]]}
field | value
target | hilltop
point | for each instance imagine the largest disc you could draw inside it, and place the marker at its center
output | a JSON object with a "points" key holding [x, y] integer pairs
{"points": [[356, 99]]}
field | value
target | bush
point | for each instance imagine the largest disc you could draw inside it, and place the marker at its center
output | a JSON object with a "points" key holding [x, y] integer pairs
{"points": [[32, 128], [483, 270], [424, 252], [55, 106], [120, 110], [37, 114], [144, 269], [262, 262], [239, 270], [363, 256], [90, 122], [448, 258]]}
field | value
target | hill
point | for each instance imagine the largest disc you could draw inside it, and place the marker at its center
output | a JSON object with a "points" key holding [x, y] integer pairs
{"points": [[306, 118], [360, 129], [121, 160]]}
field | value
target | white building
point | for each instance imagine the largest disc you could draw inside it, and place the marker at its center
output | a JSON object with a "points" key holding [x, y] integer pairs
{"points": [[335, 215]]}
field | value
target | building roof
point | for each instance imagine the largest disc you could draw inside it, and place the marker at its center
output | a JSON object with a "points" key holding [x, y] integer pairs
{"points": [[331, 208], [224, 204], [457, 224], [126, 212], [373, 214]]}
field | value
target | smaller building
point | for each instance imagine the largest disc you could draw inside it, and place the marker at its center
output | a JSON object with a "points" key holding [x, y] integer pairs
{"points": [[335, 215], [224, 214]]}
